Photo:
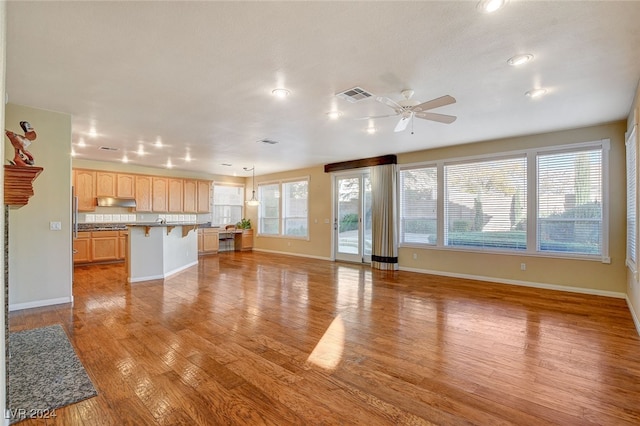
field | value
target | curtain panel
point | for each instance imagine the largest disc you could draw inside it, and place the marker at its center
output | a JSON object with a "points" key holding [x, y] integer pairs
{"points": [[384, 249]]}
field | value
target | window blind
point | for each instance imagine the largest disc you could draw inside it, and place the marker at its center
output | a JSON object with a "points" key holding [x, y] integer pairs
{"points": [[632, 182], [570, 202], [485, 204], [419, 205]]}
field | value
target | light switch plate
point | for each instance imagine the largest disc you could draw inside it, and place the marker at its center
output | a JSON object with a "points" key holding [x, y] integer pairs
{"points": [[55, 226]]}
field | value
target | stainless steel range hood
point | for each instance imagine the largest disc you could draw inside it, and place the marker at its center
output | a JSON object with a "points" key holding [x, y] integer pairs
{"points": [[116, 202]]}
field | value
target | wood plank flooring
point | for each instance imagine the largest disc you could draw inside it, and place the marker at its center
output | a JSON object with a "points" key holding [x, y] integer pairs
{"points": [[256, 338]]}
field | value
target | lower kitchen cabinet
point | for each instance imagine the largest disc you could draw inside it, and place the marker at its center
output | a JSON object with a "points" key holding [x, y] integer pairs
{"points": [[81, 252], [208, 242], [99, 246]]}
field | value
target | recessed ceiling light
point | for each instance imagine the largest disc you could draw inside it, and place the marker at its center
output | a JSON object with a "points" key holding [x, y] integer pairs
{"points": [[520, 59], [81, 143], [536, 93], [73, 152], [158, 143], [187, 158], [125, 159], [490, 6], [169, 165], [334, 115], [371, 130], [92, 132], [280, 93], [140, 150]]}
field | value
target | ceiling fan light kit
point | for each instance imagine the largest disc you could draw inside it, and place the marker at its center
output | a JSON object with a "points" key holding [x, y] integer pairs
{"points": [[409, 108]]}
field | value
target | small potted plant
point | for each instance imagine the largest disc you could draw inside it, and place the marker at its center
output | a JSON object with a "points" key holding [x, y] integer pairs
{"points": [[244, 224]]}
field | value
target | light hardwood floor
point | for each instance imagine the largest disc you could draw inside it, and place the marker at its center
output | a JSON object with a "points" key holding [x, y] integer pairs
{"points": [[255, 338]]}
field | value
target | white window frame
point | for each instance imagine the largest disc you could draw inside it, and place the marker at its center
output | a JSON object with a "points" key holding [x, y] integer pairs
{"points": [[532, 213], [631, 159], [228, 184], [281, 214]]}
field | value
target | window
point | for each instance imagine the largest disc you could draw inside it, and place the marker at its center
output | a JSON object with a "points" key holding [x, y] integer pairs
{"points": [[418, 205], [228, 202], [294, 208], [283, 208], [486, 204], [632, 202], [548, 201], [570, 202]]}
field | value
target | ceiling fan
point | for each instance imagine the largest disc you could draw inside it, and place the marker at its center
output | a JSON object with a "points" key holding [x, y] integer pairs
{"points": [[409, 108]]}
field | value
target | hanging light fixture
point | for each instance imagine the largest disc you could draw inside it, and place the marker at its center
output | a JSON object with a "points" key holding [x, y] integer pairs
{"points": [[253, 201]]}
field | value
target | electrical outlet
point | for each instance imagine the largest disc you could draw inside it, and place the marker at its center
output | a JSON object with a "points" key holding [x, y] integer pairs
{"points": [[523, 266], [55, 226], [415, 256]]}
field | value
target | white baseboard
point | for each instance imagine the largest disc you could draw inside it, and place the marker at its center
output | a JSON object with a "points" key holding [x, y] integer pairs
{"points": [[286, 253], [162, 276], [636, 320], [582, 290], [40, 303]]}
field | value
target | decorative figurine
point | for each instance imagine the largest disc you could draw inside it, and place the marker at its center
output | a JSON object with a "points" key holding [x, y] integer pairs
{"points": [[20, 143]]}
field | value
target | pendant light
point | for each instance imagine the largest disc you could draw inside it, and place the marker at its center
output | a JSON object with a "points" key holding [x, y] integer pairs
{"points": [[253, 201]]}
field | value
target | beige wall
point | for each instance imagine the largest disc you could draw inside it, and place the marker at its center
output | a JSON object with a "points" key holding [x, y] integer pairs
{"points": [[633, 286], [594, 276], [40, 269]]}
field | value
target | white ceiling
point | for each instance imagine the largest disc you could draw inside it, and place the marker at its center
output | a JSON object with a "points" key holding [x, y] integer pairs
{"points": [[199, 75]]}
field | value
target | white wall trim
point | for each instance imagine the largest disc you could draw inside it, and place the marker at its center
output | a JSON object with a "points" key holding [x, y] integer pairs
{"points": [[582, 290], [40, 303], [162, 276], [286, 253], [636, 320]]}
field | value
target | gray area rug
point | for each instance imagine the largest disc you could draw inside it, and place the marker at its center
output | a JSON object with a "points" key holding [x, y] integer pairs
{"points": [[44, 374]]}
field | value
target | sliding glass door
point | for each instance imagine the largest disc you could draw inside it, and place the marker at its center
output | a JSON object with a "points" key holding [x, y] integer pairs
{"points": [[352, 217]]}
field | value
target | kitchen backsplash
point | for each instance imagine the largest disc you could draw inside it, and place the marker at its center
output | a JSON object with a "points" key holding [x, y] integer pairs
{"points": [[141, 217]]}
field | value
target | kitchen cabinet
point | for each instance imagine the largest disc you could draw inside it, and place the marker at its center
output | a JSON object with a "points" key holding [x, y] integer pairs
{"points": [[143, 193], [85, 189], [104, 246], [204, 194], [175, 195], [122, 244], [125, 185], [208, 241], [244, 241], [190, 196], [81, 252], [105, 184], [159, 193]]}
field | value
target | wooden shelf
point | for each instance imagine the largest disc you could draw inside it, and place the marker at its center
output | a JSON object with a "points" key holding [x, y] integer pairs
{"points": [[18, 184]]}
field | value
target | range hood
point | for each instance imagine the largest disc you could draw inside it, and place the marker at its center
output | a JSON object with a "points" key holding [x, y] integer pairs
{"points": [[116, 202]]}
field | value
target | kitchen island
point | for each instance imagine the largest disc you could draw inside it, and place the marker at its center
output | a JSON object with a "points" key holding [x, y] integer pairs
{"points": [[159, 250]]}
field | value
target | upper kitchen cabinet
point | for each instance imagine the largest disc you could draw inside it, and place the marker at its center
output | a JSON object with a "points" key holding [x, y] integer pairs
{"points": [[190, 196], [143, 193], [175, 195], [204, 194], [105, 184], [125, 186], [84, 184], [160, 191]]}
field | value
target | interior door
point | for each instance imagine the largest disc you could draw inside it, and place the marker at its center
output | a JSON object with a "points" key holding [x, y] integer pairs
{"points": [[352, 217]]}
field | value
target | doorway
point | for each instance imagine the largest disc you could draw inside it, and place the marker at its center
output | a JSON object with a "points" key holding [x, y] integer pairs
{"points": [[352, 217]]}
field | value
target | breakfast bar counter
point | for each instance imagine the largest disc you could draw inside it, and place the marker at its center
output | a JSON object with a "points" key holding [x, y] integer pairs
{"points": [[158, 250]]}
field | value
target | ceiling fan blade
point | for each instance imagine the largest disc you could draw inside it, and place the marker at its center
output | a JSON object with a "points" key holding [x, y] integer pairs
{"points": [[441, 118], [371, 117], [434, 103], [402, 124], [390, 103]]}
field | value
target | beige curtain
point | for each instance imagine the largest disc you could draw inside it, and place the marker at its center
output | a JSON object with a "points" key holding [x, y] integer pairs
{"points": [[384, 249]]}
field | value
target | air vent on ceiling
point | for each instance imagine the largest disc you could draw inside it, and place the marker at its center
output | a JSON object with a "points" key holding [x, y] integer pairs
{"points": [[108, 148], [356, 94], [268, 141]]}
